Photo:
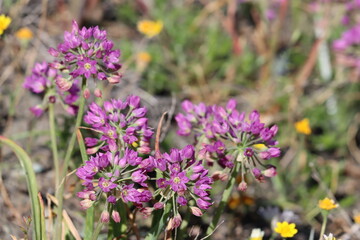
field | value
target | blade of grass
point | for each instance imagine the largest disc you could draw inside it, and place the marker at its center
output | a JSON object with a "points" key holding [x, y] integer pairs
{"points": [[26, 164]]}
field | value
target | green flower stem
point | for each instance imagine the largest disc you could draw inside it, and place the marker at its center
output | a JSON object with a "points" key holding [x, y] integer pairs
{"points": [[61, 187], [54, 144], [25, 161], [158, 223], [225, 197], [323, 226], [97, 230]]}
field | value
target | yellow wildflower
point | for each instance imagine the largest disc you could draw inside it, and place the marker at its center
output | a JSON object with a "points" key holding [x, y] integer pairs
{"points": [[285, 229], [357, 218], [303, 126], [24, 34], [256, 234], [327, 204], [150, 28], [4, 23], [143, 57]]}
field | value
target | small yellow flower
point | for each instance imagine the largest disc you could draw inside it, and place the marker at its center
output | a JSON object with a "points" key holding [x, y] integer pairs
{"points": [[327, 204], [256, 234], [24, 34], [303, 126], [285, 229], [143, 57], [357, 218], [150, 28], [4, 23]]}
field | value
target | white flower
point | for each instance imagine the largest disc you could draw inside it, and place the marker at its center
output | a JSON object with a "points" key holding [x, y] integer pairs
{"points": [[330, 237], [256, 234]]}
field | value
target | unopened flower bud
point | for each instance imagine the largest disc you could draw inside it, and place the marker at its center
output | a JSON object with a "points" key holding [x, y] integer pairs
{"points": [[86, 93], [174, 222], [115, 216], [105, 217], [98, 93], [196, 211], [52, 99], [114, 79], [86, 203], [242, 186], [63, 84], [159, 205]]}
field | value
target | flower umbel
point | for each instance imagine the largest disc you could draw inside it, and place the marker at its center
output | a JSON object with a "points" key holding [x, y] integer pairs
{"points": [[327, 204], [285, 229], [303, 126], [150, 28]]}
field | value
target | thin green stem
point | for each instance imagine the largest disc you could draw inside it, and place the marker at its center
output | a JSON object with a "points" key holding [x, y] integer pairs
{"points": [[323, 226], [54, 148], [225, 197], [97, 230], [61, 187]]}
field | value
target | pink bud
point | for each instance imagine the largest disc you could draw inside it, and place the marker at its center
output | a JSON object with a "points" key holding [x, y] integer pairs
{"points": [[105, 217], [115, 216], [63, 84], [98, 93], [196, 211], [86, 93], [159, 205], [114, 79], [242, 186], [53, 52], [86, 203]]}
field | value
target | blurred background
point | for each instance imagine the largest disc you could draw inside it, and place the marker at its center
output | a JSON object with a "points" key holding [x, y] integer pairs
{"points": [[291, 60]]}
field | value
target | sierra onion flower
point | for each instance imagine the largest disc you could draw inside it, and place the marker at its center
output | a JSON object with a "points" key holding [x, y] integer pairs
{"points": [[113, 175], [120, 124], [347, 44], [183, 178], [87, 53], [228, 137], [42, 82]]}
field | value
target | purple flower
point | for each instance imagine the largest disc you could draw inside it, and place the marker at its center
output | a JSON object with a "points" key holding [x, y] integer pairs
{"points": [[86, 68], [106, 185], [178, 181]]}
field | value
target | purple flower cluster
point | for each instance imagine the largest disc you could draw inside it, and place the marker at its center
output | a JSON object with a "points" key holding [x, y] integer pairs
{"points": [[42, 81], [352, 12], [231, 139], [121, 125], [182, 178], [347, 45], [117, 175], [87, 53]]}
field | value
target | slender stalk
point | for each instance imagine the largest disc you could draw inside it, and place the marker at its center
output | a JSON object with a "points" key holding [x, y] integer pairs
{"points": [[61, 187], [323, 226], [54, 144], [97, 230], [225, 197]]}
